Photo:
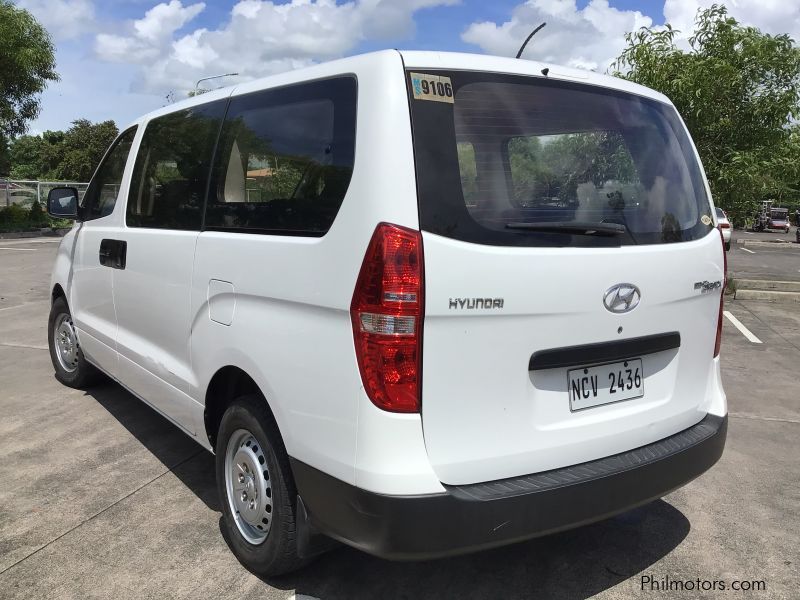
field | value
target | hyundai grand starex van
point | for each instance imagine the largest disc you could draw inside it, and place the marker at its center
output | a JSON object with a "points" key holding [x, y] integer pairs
{"points": [[419, 303]]}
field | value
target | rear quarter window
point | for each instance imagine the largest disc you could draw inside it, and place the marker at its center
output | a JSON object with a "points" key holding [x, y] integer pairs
{"points": [[285, 159]]}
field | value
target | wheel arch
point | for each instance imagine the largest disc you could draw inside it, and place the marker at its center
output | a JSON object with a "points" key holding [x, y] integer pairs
{"points": [[58, 292], [227, 384]]}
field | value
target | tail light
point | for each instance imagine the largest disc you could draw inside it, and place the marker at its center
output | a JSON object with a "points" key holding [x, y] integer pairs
{"points": [[721, 296], [725, 225], [386, 312]]}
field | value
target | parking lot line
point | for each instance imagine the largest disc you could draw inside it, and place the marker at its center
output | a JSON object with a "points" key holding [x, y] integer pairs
{"points": [[21, 249], [744, 330], [746, 250]]}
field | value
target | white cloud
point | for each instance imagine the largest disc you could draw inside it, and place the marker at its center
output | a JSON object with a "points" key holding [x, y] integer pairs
{"points": [[163, 20], [594, 36], [149, 35], [261, 37], [64, 19], [589, 38]]}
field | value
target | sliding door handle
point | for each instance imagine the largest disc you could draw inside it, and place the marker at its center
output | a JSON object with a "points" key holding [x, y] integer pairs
{"points": [[113, 253]]}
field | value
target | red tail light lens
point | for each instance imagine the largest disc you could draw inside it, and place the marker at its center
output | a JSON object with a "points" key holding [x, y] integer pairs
{"points": [[386, 312], [721, 296], [725, 225]]}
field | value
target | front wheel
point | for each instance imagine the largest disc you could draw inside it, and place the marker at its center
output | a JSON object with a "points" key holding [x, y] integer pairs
{"points": [[256, 489], [71, 366]]}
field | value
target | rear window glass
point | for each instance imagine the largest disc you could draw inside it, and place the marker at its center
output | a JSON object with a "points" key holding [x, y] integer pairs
{"points": [[528, 161]]}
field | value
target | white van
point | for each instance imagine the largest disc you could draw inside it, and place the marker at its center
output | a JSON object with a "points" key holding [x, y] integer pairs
{"points": [[420, 303]]}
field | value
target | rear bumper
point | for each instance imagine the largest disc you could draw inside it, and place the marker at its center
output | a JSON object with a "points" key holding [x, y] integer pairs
{"points": [[474, 517]]}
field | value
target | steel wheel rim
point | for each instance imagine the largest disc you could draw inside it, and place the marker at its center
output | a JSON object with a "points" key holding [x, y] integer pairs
{"points": [[248, 486], [65, 342]]}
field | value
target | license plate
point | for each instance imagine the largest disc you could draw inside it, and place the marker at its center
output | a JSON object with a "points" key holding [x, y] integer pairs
{"points": [[603, 384]]}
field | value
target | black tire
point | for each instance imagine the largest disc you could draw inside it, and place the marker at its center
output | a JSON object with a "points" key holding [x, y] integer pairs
{"points": [[727, 246], [83, 374], [277, 554]]}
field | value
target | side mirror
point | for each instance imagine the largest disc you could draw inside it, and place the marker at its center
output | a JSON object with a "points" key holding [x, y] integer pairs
{"points": [[62, 203]]}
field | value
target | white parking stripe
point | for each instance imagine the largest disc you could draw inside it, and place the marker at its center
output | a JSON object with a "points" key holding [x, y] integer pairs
{"points": [[745, 331], [20, 249], [746, 250]]}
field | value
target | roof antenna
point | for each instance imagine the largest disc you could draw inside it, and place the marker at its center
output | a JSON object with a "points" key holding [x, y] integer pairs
{"points": [[528, 39]]}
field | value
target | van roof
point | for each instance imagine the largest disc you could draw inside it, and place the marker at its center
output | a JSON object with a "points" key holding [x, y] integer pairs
{"points": [[414, 59], [462, 61]]}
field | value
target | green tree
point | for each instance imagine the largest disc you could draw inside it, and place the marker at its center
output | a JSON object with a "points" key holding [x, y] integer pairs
{"points": [[5, 157], [81, 149], [70, 155], [737, 90], [36, 156], [27, 63], [36, 215]]}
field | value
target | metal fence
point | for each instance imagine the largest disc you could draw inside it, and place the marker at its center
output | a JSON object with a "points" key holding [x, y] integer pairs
{"points": [[23, 192]]}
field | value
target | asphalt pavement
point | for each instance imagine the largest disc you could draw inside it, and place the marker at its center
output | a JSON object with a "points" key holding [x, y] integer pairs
{"points": [[100, 497], [764, 261]]}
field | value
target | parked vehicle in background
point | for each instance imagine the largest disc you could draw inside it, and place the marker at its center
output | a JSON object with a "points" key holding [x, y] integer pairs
{"points": [[779, 220], [770, 218], [725, 227], [490, 311]]}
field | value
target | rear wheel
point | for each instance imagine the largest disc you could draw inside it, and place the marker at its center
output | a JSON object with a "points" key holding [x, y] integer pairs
{"points": [[71, 366], [256, 489], [727, 246]]}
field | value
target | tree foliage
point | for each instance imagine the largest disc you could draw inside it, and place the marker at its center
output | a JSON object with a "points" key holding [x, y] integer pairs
{"points": [[5, 156], [70, 155], [737, 90], [27, 63], [82, 148]]}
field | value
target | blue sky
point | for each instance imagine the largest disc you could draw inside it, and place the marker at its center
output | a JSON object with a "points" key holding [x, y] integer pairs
{"points": [[120, 58]]}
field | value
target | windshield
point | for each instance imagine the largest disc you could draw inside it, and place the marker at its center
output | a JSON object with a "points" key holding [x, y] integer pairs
{"points": [[780, 215], [512, 160]]}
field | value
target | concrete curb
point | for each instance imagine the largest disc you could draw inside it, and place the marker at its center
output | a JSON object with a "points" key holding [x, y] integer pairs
{"points": [[766, 285], [775, 245], [768, 296], [789, 244]]}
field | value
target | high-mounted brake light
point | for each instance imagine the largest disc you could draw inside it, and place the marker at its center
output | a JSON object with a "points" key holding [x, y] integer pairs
{"points": [[386, 313], [718, 341]]}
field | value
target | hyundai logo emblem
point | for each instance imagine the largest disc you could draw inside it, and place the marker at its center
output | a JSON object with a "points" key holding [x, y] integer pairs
{"points": [[622, 298]]}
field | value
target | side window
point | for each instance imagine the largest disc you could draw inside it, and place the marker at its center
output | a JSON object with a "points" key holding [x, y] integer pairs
{"points": [[285, 159], [101, 195], [171, 171]]}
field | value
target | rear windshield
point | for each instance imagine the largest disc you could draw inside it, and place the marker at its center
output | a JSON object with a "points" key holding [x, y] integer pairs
{"points": [[527, 161]]}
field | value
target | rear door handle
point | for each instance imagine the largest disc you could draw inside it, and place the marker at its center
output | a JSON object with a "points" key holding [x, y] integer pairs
{"points": [[113, 253]]}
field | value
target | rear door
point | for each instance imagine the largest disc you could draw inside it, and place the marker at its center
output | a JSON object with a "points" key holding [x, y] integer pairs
{"points": [[572, 273], [152, 287]]}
